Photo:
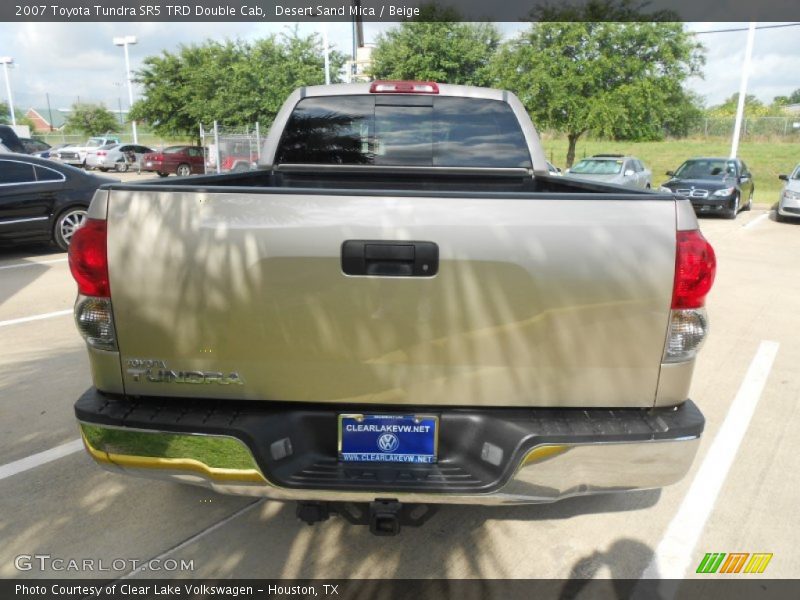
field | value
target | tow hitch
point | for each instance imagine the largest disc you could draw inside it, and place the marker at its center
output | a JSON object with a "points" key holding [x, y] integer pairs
{"points": [[385, 516]]}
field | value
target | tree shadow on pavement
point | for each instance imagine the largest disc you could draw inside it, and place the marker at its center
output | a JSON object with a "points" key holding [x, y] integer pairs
{"points": [[458, 542]]}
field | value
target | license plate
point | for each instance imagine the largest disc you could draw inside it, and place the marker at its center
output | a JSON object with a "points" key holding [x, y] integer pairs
{"points": [[149, 164], [388, 438]]}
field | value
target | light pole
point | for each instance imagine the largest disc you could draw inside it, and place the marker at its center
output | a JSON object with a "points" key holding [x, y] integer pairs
{"points": [[118, 84], [327, 53], [748, 53], [126, 41], [7, 62]]}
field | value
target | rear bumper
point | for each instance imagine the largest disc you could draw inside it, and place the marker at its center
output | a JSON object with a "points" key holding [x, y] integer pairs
{"points": [[152, 165], [486, 456]]}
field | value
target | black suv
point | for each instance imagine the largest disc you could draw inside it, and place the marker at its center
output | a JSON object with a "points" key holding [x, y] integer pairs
{"points": [[9, 139]]}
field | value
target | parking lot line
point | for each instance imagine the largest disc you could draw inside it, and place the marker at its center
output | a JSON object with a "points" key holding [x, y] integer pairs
{"points": [[193, 538], [58, 313], [40, 458], [756, 221], [676, 549], [34, 263]]}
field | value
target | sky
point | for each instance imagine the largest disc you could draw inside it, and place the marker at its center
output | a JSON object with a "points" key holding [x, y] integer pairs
{"points": [[71, 61]]}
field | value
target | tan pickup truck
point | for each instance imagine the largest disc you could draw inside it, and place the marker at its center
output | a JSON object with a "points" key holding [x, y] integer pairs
{"points": [[400, 307]]}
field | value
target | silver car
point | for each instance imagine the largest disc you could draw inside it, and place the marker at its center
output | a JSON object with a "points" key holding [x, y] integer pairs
{"points": [[789, 202], [615, 169], [119, 157]]}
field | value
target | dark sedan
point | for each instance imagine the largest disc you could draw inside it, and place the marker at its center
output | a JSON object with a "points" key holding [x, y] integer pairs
{"points": [[714, 185], [41, 200]]}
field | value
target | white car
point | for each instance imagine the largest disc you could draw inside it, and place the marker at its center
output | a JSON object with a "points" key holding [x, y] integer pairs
{"points": [[615, 169], [119, 157], [789, 202], [76, 155]]}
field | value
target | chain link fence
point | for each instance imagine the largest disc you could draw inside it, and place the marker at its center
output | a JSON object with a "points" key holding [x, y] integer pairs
{"points": [[56, 138], [231, 149], [784, 129], [773, 127]]}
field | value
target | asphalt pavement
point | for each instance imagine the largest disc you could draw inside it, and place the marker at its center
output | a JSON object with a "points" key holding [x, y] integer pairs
{"points": [[740, 496]]}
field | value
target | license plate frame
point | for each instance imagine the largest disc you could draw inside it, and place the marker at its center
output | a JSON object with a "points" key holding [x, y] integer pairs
{"points": [[388, 438]]}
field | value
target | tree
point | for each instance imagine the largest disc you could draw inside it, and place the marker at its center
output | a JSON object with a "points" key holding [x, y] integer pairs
{"points": [[728, 108], [436, 47], [616, 79], [5, 117], [234, 83], [753, 107], [779, 102], [91, 119]]}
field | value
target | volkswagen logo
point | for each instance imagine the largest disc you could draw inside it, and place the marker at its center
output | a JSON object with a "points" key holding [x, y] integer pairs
{"points": [[388, 442]]}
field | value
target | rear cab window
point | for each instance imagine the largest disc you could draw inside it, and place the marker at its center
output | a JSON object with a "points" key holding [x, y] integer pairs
{"points": [[395, 130]]}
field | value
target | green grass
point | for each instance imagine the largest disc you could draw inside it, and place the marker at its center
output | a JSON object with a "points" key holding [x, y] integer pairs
{"points": [[766, 159], [214, 451]]}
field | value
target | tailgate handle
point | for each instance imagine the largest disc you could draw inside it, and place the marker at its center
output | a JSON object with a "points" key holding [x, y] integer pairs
{"points": [[390, 258]]}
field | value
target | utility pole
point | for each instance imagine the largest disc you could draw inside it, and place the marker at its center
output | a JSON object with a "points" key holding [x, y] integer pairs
{"points": [[49, 112], [748, 53]]}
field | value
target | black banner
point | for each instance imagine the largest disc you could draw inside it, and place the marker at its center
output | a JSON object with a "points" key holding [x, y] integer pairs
{"points": [[748, 587], [396, 10]]}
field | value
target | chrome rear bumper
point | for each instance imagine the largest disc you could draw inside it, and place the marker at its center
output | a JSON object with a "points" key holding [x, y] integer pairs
{"points": [[549, 473], [543, 468]]}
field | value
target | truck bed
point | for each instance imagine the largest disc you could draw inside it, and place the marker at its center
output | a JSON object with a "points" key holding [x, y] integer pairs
{"points": [[380, 180]]}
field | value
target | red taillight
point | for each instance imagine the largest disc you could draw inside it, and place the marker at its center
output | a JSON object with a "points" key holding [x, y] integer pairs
{"points": [[88, 259], [101, 153], [695, 268], [404, 87]]}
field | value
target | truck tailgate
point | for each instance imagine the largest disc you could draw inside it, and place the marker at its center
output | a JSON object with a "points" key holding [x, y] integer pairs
{"points": [[537, 301]]}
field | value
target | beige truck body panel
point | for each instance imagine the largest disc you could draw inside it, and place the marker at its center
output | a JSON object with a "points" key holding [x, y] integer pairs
{"points": [[536, 303]]}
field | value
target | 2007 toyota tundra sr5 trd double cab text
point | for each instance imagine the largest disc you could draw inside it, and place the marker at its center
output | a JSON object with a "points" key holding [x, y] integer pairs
{"points": [[401, 306]]}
